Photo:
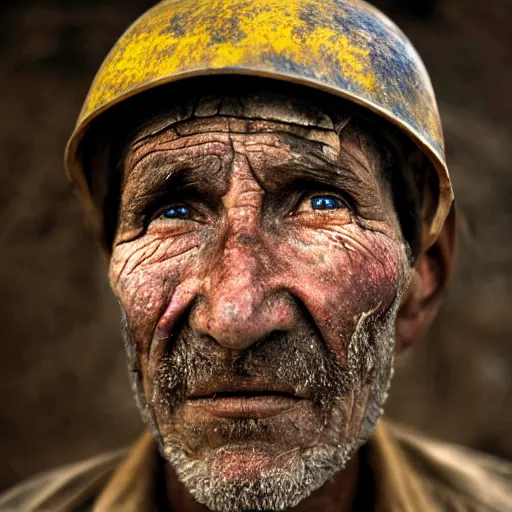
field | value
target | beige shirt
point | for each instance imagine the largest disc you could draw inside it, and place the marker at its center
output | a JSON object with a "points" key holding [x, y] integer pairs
{"points": [[410, 474]]}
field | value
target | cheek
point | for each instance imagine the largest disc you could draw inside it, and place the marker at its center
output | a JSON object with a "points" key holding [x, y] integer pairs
{"points": [[144, 275], [344, 273]]}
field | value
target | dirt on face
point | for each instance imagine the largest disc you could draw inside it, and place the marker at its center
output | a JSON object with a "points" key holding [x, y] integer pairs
{"points": [[258, 261]]}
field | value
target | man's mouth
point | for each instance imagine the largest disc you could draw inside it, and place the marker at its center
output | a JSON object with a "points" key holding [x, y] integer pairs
{"points": [[245, 402]]}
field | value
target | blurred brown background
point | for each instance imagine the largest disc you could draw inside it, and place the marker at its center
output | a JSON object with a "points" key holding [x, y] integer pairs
{"points": [[64, 389]]}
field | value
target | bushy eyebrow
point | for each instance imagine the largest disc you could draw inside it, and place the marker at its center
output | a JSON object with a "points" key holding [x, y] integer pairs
{"points": [[282, 175], [345, 173], [161, 175]]}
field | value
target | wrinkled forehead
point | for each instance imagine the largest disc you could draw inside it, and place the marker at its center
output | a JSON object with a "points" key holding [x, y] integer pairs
{"points": [[291, 108], [265, 123], [284, 125]]}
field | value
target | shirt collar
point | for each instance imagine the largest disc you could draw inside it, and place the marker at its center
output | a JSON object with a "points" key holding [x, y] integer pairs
{"points": [[133, 486]]}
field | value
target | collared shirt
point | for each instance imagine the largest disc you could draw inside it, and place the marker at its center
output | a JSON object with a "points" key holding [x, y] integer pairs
{"points": [[410, 474]]}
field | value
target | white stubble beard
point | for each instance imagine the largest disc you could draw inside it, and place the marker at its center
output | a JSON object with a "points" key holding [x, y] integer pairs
{"points": [[285, 487]]}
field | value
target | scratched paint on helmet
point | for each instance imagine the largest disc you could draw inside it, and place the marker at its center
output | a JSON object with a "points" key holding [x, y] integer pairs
{"points": [[346, 47], [343, 44], [400, 70], [219, 34]]}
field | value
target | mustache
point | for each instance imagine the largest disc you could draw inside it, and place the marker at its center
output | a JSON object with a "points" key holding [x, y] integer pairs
{"points": [[298, 361]]}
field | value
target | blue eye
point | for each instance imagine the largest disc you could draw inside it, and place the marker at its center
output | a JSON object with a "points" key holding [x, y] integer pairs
{"points": [[325, 203], [179, 212]]}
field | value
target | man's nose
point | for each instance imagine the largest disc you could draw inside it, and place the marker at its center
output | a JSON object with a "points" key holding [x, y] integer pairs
{"points": [[240, 305]]}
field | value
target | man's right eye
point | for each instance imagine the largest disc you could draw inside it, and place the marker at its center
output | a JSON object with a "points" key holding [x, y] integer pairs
{"points": [[177, 212]]}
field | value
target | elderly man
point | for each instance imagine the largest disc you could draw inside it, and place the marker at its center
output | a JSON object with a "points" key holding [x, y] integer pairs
{"points": [[268, 184]]}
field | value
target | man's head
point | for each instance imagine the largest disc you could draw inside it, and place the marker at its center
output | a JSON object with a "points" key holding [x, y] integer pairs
{"points": [[260, 260], [271, 246]]}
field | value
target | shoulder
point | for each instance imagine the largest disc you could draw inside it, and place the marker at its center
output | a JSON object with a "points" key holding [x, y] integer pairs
{"points": [[456, 477], [70, 488]]}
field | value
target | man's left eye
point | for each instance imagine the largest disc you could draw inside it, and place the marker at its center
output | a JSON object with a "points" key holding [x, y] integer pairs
{"points": [[177, 212], [326, 203]]}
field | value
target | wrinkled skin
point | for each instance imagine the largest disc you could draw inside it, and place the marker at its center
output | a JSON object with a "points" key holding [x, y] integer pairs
{"points": [[251, 289]]}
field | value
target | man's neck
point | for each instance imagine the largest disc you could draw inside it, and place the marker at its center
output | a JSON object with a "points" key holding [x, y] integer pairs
{"points": [[339, 494]]}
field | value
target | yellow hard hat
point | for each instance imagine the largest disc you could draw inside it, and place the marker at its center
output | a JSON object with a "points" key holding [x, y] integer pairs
{"points": [[345, 47]]}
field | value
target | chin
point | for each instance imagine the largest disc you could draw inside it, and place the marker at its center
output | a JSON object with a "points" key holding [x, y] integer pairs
{"points": [[245, 465], [247, 477], [260, 463]]}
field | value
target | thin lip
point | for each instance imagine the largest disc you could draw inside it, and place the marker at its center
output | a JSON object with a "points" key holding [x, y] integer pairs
{"points": [[255, 407], [244, 389]]}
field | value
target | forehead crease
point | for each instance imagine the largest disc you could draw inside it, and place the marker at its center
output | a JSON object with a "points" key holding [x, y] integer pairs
{"points": [[275, 107], [200, 128], [169, 146], [265, 105], [274, 157], [216, 136]]}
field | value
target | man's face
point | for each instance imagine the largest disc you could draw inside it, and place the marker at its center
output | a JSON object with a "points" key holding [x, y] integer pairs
{"points": [[259, 264]]}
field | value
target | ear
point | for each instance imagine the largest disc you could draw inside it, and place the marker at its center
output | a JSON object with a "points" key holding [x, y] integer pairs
{"points": [[427, 287]]}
